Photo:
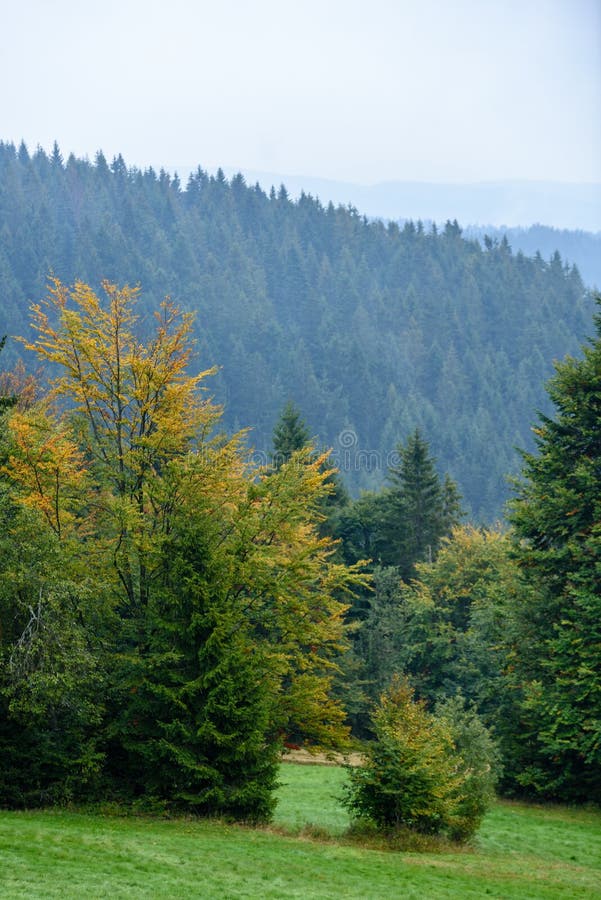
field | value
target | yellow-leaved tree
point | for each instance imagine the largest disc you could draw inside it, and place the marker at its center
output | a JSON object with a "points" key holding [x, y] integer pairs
{"points": [[131, 408], [227, 612]]}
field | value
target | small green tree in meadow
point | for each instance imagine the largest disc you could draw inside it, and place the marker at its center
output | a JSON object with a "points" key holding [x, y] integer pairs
{"points": [[407, 779], [414, 776]]}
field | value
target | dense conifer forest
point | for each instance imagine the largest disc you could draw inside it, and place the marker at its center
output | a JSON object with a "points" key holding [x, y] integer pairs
{"points": [[371, 330], [582, 248]]}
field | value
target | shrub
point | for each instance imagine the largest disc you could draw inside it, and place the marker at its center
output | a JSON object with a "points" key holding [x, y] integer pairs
{"points": [[432, 774], [408, 778], [477, 762]]}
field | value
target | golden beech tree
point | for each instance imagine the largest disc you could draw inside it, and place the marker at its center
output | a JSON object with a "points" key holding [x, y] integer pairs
{"points": [[47, 466], [288, 587], [229, 608], [132, 409]]}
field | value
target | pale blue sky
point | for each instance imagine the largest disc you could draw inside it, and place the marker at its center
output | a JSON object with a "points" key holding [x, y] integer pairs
{"points": [[464, 90]]}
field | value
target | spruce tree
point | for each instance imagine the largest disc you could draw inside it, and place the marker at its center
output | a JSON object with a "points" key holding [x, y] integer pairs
{"points": [[289, 435], [419, 509], [557, 521]]}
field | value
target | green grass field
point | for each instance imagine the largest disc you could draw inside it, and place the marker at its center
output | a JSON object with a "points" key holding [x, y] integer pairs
{"points": [[521, 851]]}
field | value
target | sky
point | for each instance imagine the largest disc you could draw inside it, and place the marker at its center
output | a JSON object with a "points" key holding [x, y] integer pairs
{"points": [[363, 91]]}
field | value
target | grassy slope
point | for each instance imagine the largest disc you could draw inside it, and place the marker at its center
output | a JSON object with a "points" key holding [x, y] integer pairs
{"points": [[523, 852]]}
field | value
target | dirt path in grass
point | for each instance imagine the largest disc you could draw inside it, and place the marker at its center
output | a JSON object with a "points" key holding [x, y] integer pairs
{"points": [[305, 757]]}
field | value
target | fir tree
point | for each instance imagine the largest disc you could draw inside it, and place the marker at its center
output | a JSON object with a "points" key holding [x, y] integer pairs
{"points": [[289, 435], [419, 510], [557, 516]]}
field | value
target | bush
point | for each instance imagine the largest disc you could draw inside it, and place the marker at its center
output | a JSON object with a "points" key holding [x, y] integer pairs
{"points": [[477, 761], [432, 774], [408, 778]]}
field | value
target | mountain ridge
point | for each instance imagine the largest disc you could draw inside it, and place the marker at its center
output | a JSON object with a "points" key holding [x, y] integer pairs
{"points": [[371, 329], [505, 203]]}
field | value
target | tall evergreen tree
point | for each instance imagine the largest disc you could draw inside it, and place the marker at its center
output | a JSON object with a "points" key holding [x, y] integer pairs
{"points": [[557, 521], [289, 435], [419, 510]]}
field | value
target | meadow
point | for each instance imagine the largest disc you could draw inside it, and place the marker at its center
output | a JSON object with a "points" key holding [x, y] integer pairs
{"points": [[521, 851]]}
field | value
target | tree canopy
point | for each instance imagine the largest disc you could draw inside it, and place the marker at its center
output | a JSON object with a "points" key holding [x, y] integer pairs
{"points": [[201, 610]]}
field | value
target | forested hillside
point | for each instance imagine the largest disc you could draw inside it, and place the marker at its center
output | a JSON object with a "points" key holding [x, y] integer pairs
{"points": [[582, 248], [370, 329]]}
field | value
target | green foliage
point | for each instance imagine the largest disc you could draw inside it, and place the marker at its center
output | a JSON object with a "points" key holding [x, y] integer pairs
{"points": [[183, 612], [51, 685], [478, 764], [196, 732], [410, 777], [451, 621], [382, 642], [370, 327], [51, 629], [557, 644], [403, 524], [195, 701], [429, 773], [358, 525], [289, 435], [418, 509], [454, 630]]}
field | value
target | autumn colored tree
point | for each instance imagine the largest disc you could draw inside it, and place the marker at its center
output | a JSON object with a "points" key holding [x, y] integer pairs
{"points": [[132, 410], [426, 772], [219, 577], [408, 779]]}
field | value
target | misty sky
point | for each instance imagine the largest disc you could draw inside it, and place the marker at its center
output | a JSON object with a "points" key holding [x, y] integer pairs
{"points": [[464, 90]]}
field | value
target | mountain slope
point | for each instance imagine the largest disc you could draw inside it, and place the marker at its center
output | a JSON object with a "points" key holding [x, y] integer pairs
{"points": [[371, 330], [582, 248]]}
